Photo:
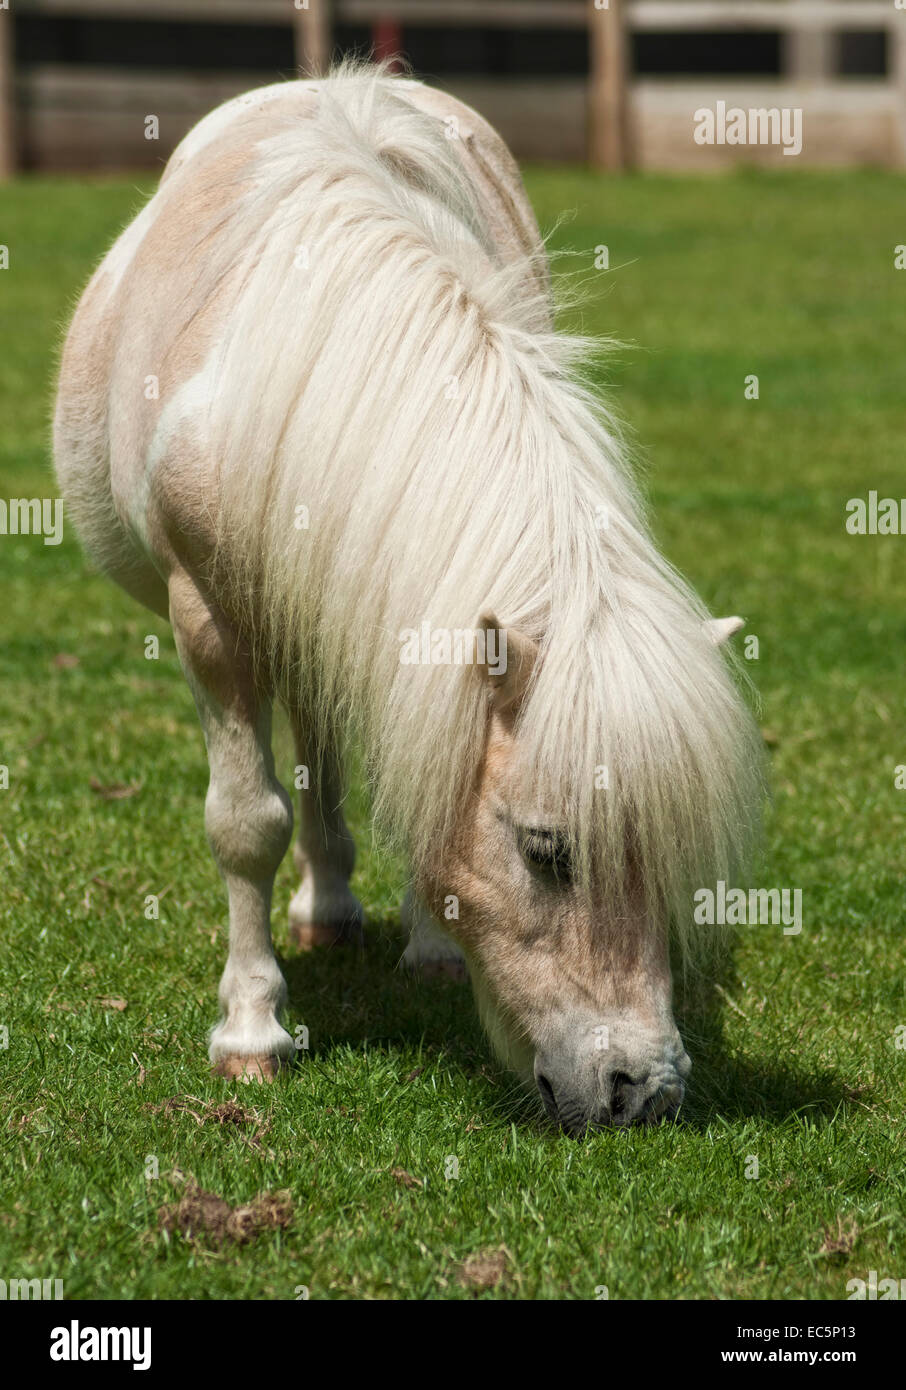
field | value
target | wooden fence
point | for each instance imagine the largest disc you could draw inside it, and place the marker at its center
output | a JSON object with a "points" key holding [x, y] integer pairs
{"points": [[59, 115]]}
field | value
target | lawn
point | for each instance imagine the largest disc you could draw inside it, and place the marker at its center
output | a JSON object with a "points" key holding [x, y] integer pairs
{"points": [[107, 1111]]}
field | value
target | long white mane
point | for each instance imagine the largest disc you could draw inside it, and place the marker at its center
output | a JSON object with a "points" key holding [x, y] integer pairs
{"points": [[385, 370]]}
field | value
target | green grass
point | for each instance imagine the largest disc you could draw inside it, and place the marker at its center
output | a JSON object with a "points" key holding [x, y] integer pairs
{"points": [[788, 277]]}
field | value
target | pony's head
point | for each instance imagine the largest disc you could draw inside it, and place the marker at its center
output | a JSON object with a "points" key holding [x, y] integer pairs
{"points": [[569, 950]]}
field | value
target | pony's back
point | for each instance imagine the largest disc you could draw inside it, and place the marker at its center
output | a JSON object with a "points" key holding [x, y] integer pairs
{"points": [[144, 343]]}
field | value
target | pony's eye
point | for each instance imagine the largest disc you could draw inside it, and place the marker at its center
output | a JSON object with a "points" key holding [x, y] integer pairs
{"points": [[545, 849]]}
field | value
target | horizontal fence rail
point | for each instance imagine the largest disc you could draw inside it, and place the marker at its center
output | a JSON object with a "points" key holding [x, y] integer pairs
{"points": [[46, 111], [546, 14]]}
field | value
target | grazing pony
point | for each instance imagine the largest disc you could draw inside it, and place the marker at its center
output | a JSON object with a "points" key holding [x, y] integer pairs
{"points": [[313, 409]]}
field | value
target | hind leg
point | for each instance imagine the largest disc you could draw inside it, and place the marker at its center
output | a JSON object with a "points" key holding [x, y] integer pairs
{"points": [[249, 818], [323, 911], [430, 950]]}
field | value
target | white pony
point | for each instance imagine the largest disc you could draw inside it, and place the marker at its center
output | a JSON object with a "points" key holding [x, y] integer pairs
{"points": [[313, 404]]}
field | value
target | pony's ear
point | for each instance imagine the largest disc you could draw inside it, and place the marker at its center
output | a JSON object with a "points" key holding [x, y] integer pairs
{"points": [[720, 629], [510, 658]]}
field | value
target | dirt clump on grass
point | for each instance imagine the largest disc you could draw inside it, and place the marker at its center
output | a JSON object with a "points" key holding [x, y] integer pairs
{"points": [[841, 1240], [485, 1270], [201, 1216], [226, 1113], [405, 1179]]}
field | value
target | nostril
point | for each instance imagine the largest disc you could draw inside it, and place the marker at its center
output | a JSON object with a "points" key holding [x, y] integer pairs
{"points": [[547, 1096], [622, 1092]]}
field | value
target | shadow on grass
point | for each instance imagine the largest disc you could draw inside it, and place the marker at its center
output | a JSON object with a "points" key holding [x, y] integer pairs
{"points": [[356, 997], [727, 1086], [367, 999]]}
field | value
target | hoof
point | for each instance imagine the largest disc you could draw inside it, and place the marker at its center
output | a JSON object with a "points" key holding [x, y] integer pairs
{"points": [[256, 1068], [443, 969], [306, 935]]}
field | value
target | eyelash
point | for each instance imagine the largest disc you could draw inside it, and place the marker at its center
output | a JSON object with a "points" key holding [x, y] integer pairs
{"points": [[546, 850]]}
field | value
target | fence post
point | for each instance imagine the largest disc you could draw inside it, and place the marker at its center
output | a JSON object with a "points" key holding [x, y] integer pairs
{"points": [[608, 125], [809, 55], [8, 159], [387, 41], [312, 36], [896, 43]]}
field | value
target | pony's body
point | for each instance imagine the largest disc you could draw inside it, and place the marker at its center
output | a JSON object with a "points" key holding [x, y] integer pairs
{"points": [[312, 399]]}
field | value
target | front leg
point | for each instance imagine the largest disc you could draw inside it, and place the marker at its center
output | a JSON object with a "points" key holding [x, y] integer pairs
{"points": [[430, 950], [248, 818], [323, 910]]}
